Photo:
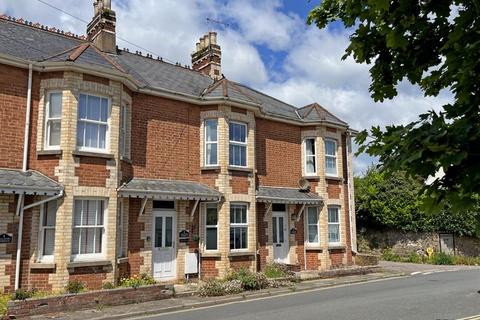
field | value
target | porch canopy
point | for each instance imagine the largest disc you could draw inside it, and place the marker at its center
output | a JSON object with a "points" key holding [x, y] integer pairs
{"points": [[288, 196], [31, 182], [161, 189]]}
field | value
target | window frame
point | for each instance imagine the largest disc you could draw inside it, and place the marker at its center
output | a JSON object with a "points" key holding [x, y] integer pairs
{"points": [[91, 256], [307, 237], [238, 143], [339, 223], [205, 142], [335, 157], [210, 226], [239, 225], [315, 172], [47, 119], [107, 123], [123, 130], [43, 258]]}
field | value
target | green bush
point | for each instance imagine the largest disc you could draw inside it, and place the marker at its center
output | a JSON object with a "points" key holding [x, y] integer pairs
{"points": [[232, 287], [276, 270], [441, 258], [212, 288], [4, 303], [23, 294], [137, 281], [414, 257], [389, 255], [469, 261], [108, 286], [75, 286], [250, 280]]}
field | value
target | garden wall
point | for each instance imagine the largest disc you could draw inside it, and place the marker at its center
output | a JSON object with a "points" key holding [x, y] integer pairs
{"points": [[404, 243]]}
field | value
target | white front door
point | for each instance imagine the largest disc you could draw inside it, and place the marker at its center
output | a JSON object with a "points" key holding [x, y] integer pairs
{"points": [[280, 237], [164, 253]]}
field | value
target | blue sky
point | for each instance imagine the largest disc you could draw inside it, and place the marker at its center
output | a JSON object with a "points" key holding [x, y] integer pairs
{"points": [[267, 45]]}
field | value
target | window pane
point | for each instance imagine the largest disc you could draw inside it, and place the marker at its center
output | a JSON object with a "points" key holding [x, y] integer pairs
{"points": [[280, 229], [98, 240], [211, 216], [83, 241], [312, 233], [50, 214], [77, 217], [100, 212], [80, 134], [90, 240], [54, 127], [48, 242], [334, 233], [93, 108], [274, 229], [91, 135], [330, 165], [310, 146], [312, 215], [55, 107], [238, 215], [243, 240], [104, 110], [102, 136], [211, 241], [91, 213], [237, 132], [168, 231], [238, 155], [232, 238], [75, 240], [330, 147], [82, 107], [211, 153], [211, 130], [332, 215], [311, 164], [158, 232]]}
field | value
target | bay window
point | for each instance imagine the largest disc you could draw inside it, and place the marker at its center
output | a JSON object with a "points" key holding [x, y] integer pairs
{"points": [[330, 157], [211, 142], [238, 227], [312, 225], [48, 217], [53, 120], [310, 156], [92, 123], [211, 227], [333, 225], [238, 144], [88, 228]]}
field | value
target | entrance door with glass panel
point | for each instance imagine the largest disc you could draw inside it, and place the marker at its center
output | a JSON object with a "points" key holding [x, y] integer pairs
{"points": [[164, 253], [280, 237]]}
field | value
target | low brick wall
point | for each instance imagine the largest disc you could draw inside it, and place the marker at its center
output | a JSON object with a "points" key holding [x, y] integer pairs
{"points": [[86, 300], [350, 271]]}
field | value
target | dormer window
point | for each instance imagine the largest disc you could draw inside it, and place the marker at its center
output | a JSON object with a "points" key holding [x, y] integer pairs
{"points": [[331, 157], [310, 156]]}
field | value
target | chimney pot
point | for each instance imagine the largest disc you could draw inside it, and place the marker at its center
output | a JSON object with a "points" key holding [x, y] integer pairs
{"points": [[101, 30], [207, 58]]}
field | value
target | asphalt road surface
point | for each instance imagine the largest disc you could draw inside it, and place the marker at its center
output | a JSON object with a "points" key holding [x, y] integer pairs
{"points": [[442, 295]]}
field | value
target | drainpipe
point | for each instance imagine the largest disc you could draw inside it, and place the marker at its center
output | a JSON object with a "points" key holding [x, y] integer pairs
{"points": [[21, 198]]}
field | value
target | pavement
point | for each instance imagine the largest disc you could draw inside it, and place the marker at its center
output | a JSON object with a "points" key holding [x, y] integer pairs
{"points": [[401, 291]]}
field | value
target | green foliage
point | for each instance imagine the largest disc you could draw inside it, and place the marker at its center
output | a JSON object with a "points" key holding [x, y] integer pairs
{"points": [[276, 270], [23, 294], [4, 303], [108, 286], [249, 280], [468, 261], [435, 45], [441, 259], [391, 201], [212, 288], [137, 281], [75, 286], [389, 255]]}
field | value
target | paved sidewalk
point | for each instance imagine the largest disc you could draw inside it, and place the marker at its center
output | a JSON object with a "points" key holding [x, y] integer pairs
{"points": [[188, 301], [415, 268]]}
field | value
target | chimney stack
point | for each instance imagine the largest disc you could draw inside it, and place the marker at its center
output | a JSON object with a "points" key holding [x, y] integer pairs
{"points": [[101, 30], [208, 55]]}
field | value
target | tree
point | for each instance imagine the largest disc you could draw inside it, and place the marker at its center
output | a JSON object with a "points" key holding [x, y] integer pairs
{"points": [[391, 201], [434, 44]]}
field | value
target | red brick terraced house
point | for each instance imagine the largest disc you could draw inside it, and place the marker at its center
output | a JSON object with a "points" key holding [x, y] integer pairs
{"points": [[115, 164]]}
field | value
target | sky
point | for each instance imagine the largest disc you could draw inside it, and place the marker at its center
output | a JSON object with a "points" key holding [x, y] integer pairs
{"points": [[265, 44]]}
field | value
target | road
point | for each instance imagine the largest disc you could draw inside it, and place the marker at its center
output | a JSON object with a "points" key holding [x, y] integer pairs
{"points": [[442, 295]]}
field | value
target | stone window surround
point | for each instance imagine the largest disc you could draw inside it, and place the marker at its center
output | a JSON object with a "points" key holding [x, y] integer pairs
{"points": [[203, 226], [246, 224], [41, 233], [307, 242]]}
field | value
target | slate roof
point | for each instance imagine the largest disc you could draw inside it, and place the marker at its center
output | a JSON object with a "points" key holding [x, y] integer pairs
{"points": [[32, 43], [29, 182], [168, 190], [287, 195]]}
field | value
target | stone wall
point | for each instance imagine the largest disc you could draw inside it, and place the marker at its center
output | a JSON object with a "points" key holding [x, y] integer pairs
{"points": [[404, 243]]}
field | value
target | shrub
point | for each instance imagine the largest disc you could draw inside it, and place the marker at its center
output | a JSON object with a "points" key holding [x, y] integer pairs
{"points": [[23, 294], [108, 285], [4, 303], [212, 288], [274, 283], [249, 280], [276, 270], [232, 287], [413, 257], [137, 281], [389, 255], [469, 261], [75, 286], [442, 259]]}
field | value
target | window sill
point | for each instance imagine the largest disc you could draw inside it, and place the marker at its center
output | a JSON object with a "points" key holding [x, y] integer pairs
{"points": [[122, 260], [49, 152], [93, 154], [333, 178], [233, 168], [336, 247], [42, 266], [210, 168], [314, 248], [241, 253], [315, 178], [125, 159], [81, 264], [211, 255]]}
